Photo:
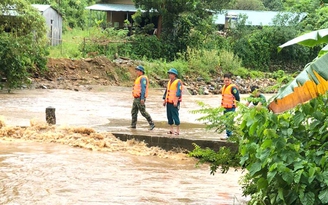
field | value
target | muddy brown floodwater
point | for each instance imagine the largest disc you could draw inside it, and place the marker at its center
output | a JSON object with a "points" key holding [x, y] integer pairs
{"points": [[41, 164], [34, 173]]}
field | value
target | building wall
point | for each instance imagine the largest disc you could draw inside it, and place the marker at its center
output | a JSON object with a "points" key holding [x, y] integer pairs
{"points": [[54, 23], [117, 18]]}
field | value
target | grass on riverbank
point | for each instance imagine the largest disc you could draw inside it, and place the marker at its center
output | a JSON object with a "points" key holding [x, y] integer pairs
{"points": [[194, 63]]}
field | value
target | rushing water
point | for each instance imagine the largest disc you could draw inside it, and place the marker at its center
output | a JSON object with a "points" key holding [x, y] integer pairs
{"points": [[43, 165], [43, 173]]}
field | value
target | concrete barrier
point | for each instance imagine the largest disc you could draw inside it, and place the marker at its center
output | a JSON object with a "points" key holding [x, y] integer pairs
{"points": [[175, 143]]}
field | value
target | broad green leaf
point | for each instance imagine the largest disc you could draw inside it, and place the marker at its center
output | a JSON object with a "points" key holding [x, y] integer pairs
{"points": [[281, 193], [284, 124], [266, 144], [264, 155], [297, 147], [262, 183], [273, 167], [271, 175], [323, 161], [244, 150], [314, 124], [319, 115], [270, 133], [307, 109], [308, 198], [309, 39], [253, 128], [323, 196], [298, 175], [298, 118], [250, 121], [309, 84], [243, 159], [254, 168], [319, 153], [311, 171], [325, 175], [279, 143], [298, 165], [320, 178], [323, 51], [310, 179], [288, 177]]}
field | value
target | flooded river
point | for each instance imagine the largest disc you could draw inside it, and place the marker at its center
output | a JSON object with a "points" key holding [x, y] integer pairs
{"points": [[41, 164], [34, 173]]}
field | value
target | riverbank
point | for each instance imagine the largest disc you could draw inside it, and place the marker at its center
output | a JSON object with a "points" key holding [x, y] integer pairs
{"points": [[82, 74]]}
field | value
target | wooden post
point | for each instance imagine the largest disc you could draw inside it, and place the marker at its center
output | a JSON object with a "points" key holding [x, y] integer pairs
{"points": [[51, 115]]}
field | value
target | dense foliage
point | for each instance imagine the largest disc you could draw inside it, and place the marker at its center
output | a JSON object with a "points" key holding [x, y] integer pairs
{"points": [[285, 154], [181, 23], [22, 42], [187, 30], [258, 49], [249, 5]]}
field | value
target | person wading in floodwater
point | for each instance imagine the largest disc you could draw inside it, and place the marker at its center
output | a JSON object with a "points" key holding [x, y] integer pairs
{"points": [[230, 95], [140, 93], [172, 98]]}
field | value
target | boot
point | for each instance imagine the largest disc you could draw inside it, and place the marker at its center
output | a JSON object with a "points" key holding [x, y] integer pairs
{"points": [[151, 125]]}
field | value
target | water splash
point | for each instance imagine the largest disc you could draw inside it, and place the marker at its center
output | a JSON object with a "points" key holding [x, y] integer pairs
{"points": [[82, 137]]}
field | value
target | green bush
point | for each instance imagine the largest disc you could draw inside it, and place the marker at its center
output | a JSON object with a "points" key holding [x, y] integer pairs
{"points": [[108, 42], [204, 63], [160, 68], [144, 46], [278, 74], [19, 58], [216, 42], [247, 73], [242, 72], [23, 50], [256, 74], [258, 49], [285, 154], [229, 62]]}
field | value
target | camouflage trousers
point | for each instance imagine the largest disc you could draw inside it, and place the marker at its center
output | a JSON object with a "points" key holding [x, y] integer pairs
{"points": [[136, 107]]}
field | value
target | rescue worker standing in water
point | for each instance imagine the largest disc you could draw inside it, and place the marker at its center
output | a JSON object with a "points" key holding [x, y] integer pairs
{"points": [[230, 95], [140, 93], [172, 98]]}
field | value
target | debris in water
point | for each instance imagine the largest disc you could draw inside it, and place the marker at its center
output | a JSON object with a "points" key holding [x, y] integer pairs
{"points": [[81, 137]]}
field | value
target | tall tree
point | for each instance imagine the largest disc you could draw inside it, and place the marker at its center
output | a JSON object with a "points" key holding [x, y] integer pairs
{"points": [[249, 5], [177, 18], [273, 5], [302, 5]]}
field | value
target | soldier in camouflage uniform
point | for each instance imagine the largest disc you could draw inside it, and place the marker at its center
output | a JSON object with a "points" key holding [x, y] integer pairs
{"points": [[140, 93]]}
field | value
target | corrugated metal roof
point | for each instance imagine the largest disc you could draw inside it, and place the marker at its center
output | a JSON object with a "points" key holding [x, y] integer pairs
{"points": [[41, 7], [12, 9], [112, 7], [255, 18]]}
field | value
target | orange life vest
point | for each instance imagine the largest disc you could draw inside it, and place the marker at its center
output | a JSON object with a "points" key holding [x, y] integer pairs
{"points": [[137, 87], [171, 91], [228, 99]]}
